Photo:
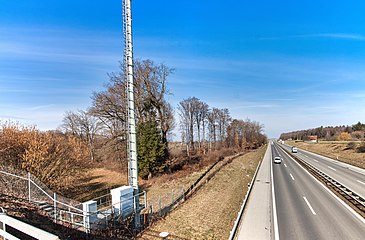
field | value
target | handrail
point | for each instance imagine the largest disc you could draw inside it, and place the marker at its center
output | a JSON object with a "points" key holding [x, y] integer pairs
{"points": [[25, 228], [13, 175], [55, 200]]}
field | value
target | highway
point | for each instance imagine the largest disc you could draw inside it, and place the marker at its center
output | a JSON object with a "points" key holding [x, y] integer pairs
{"points": [[305, 209], [351, 177]]}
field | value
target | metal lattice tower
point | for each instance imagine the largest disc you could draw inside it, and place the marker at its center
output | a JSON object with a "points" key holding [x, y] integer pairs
{"points": [[128, 74]]}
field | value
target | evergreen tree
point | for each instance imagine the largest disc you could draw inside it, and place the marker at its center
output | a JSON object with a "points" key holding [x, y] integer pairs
{"points": [[358, 126], [151, 149]]}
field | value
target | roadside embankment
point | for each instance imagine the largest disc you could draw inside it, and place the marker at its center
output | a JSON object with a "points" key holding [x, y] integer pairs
{"points": [[210, 213]]}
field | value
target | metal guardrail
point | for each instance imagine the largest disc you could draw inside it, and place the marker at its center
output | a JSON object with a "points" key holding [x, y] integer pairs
{"points": [[355, 199], [240, 213]]}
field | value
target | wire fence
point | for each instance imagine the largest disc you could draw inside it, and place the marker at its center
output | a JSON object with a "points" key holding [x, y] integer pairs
{"points": [[23, 185], [63, 210], [164, 203]]}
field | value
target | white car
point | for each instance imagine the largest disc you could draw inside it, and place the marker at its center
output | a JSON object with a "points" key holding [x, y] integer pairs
{"points": [[277, 159], [294, 150]]}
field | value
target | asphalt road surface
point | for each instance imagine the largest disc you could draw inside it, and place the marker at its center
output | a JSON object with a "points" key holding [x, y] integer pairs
{"points": [[351, 177], [305, 209]]}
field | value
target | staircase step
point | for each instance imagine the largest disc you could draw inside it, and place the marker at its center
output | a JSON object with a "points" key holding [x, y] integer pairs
{"points": [[48, 209]]}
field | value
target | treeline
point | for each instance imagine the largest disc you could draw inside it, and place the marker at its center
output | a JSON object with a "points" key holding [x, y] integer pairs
{"points": [[104, 125], [98, 135], [330, 133], [204, 128]]}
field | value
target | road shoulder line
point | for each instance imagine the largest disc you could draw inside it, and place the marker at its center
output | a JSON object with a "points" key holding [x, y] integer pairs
{"points": [[276, 228]]}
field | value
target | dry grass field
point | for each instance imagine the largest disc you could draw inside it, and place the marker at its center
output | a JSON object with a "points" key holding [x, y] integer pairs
{"points": [[340, 151], [210, 213]]}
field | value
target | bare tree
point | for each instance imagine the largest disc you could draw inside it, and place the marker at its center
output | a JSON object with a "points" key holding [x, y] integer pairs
{"points": [[223, 121], [213, 123], [200, 115], [83, 125], [110, 107], [70, 123], [204, 115], [245, 134], [152, 79], [188, 108]]}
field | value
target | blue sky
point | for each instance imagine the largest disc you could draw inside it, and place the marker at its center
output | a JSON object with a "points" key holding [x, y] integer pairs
{"points": [[287, 64]]}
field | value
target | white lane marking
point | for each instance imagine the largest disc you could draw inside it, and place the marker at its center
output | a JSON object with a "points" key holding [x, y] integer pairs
{"points": [[332, 168], [285, 165], [336, 162], [276, 228], [354, 170], [360, 182], [292, 176], [315, 160], [358, 216], [309, 205]]}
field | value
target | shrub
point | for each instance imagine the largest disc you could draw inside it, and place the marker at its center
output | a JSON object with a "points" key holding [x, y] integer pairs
{"points": [[54, 158], [12, 144], [344, 136], [361, 148], [351, 145], [358, 135]]}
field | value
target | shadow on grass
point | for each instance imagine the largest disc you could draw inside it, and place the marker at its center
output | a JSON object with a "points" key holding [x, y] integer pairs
{"points": [[86, 191]]}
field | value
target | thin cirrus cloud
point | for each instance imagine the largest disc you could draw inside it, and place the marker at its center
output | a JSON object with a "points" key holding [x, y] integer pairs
{"points": [[41, 107], [63, 45], [49, 54], [43, 116], [344, 36]]}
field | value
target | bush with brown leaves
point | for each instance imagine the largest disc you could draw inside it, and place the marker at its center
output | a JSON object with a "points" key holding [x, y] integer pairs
{"points": [[54, 158]]}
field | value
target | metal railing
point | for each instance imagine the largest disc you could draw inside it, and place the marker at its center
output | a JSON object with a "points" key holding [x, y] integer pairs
{"points": [[7, 221], [14, 183], [62, 210]]}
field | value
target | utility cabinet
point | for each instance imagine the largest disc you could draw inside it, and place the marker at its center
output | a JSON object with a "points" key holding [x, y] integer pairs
{"points": [[90, 214], [123, 200]]}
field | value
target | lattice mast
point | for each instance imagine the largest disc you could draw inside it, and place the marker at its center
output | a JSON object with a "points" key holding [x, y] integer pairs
{"points": [[128, 74]]}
